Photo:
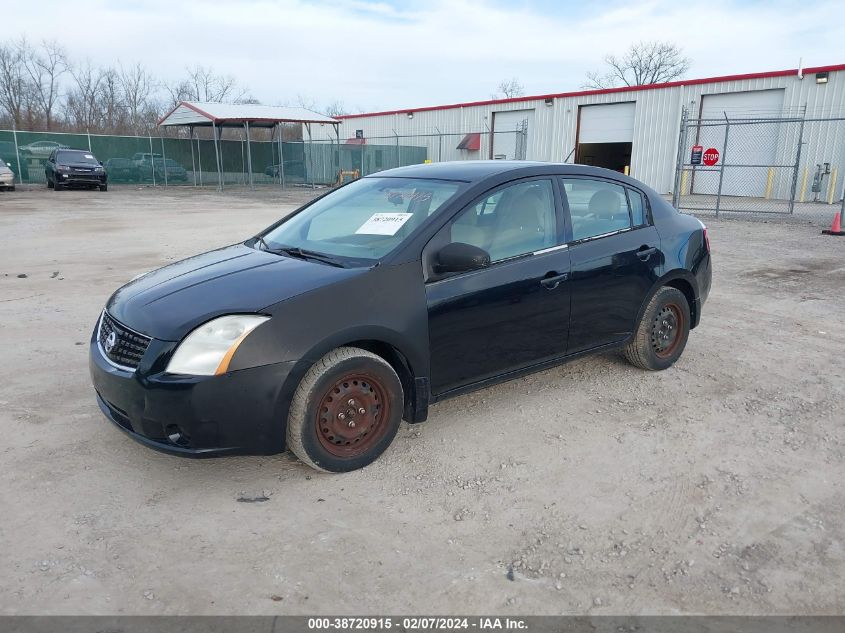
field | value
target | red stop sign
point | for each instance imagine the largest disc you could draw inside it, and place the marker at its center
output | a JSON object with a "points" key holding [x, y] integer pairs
{"points": [[711, 156]]}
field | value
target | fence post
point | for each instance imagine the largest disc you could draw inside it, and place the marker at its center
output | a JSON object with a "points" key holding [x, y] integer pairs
{"points": [[199, 158], [152, 161], [281, 160], [682, 142], [163, 159], [722, 168], [193, 160], [18, 154], [797, 162], [217, 156]]}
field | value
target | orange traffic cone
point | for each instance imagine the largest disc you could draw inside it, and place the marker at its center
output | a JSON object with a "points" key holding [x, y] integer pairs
{"points": [[836, 227]]}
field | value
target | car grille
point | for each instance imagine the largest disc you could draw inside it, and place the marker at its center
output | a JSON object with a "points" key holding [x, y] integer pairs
{"points": [[127, 348]]}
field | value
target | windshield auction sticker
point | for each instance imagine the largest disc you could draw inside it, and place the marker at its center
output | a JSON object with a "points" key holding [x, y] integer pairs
{"points": [[384, 223]]}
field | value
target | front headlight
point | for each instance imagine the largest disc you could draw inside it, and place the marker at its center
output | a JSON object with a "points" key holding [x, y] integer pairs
{"points": [[208, 349]]}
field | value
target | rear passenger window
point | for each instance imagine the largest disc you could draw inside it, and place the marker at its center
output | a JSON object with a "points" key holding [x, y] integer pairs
{"points": [[596, 207], [638, 208]]}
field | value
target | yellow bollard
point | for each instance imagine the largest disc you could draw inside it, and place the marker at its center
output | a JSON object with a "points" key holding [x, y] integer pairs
{"points": [[684, 183], [831, 186], [803, 186], [627, 170], [769, 181]]}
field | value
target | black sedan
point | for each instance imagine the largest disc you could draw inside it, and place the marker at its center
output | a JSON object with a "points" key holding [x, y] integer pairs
{"points": [[388, 294], [74, 168]]}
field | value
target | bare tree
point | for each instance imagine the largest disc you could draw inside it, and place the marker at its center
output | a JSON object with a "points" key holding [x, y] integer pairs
{"points": [[82, 105], [15, 90], [644, 63], [509, 88], [110, 107], [335, 108], [136, 86], [203, 84], [45, 68]]}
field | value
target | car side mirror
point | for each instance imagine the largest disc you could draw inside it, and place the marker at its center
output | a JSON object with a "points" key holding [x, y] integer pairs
{"points": [[459, 257]]}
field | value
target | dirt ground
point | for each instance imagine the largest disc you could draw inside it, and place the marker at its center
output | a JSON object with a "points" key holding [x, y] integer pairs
{"points": [[714, 487]]}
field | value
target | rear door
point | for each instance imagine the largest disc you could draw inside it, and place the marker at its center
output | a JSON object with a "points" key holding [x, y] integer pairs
{"points": [[616, 258], [513, 314]]}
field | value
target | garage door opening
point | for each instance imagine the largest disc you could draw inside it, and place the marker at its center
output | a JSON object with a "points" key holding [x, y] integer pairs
{"points": [[605, 135], [615, 156]]}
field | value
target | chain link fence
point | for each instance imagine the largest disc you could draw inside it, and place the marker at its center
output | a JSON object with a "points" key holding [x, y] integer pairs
{"points": [[786, 165], [168, 161]]}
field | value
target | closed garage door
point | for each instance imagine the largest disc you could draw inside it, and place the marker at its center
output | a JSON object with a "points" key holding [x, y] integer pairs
{"points": [[605, 135], [751, 144], [512, 134]]}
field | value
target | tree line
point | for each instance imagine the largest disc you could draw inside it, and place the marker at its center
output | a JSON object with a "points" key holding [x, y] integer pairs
{"points": [[43, 89]]}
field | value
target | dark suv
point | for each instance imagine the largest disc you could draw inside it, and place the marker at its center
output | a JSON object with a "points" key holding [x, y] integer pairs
{"points": [[74, 168]]}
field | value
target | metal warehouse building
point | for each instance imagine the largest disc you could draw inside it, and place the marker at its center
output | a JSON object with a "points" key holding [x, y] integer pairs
{"points": [[636, 129]]}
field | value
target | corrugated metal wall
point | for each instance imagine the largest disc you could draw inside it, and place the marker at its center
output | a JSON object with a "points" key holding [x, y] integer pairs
{"points": [[656, 123]]}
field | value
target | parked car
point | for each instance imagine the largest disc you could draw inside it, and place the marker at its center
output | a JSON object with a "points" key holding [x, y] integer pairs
{"points": [[7, 176], [390, 293], [74, 168], [9, 155], [122, 170], [173, 170], [40, 149]]}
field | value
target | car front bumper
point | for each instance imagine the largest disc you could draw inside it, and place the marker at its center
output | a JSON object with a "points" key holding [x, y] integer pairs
{"points": [[7, 180], [90, 179], [241, 412]]}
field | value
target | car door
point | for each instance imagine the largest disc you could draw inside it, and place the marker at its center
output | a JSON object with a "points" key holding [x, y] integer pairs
{"points": [[615, 255], [513, 313]]}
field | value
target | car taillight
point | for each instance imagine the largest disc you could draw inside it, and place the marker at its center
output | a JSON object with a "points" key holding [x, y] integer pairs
{"points": [[706, 240]]}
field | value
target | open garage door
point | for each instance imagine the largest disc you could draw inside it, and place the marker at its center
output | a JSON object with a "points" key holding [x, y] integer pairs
{"points": [[751, 150], [606, 135], [511, 134]]}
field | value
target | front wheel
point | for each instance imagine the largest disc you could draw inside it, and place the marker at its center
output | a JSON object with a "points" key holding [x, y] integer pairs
{"points": [[662, 333], [346, 411], [104, 187]]}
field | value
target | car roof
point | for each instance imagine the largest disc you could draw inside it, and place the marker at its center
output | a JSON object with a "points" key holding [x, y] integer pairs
{"points": [[474, 171]]}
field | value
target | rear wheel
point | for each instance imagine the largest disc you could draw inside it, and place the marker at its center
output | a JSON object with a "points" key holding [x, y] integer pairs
{"points": [[346, 411], [662, 333]]}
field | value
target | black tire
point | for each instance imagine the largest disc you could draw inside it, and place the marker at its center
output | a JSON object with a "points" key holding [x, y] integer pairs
{"points": [[104, 187], [662, 333], [49, 184], [57, 186], [345, 385], [12, 188]]}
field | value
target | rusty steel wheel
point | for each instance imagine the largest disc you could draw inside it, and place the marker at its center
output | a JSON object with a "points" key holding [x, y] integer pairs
{"points": [[662, 332], [350, 417], [666, 330], [346, 410]]}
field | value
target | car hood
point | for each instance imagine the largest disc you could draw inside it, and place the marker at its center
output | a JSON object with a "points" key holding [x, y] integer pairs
{"points": [[170, 302]]}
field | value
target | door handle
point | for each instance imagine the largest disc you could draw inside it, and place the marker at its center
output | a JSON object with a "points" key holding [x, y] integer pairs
{"points": [[552, 280], [644, 253]]}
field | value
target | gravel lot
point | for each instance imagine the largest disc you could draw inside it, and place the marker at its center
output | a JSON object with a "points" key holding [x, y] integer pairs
{"points": [[714, 487]]}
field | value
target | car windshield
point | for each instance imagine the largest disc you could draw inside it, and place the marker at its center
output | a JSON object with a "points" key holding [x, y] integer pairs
{"points": [[76, 157], [364, 220]]}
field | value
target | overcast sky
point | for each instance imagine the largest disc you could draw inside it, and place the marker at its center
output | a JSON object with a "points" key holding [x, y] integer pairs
{"points": [[390, 54]]}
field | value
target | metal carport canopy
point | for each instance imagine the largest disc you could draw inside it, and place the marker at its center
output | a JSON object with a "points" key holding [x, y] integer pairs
{"points": [[219, 115]]}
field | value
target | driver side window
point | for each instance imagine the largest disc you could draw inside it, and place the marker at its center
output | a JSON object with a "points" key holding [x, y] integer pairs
{"points": [[512, 221]]}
